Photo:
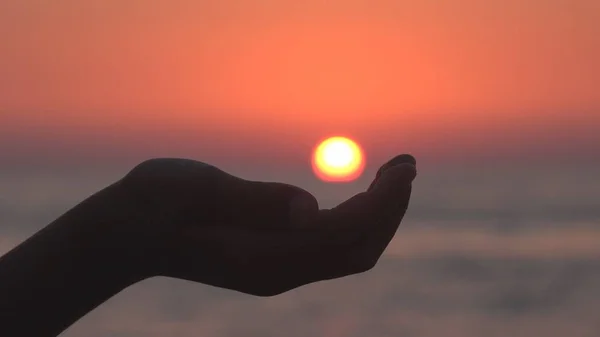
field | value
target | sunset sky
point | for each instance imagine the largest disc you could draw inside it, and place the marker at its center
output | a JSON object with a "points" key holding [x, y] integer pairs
{"points": [[267, 79]]}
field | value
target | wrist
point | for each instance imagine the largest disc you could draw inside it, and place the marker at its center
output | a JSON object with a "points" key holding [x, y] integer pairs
{"points": [[63, 271], [114, 233]]}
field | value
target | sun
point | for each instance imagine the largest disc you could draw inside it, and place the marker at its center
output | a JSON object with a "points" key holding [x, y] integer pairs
{"points": [[338, 159]]}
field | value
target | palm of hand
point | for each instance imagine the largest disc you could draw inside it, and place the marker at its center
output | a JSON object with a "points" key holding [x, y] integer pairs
{"points": [[261, 238]]}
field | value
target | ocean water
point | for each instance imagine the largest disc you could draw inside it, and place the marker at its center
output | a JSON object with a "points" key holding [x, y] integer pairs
{"points": [[484, 251]]}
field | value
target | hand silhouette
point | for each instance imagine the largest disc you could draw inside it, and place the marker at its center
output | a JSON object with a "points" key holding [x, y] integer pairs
{"points": [[189, 220], [261, 238]]}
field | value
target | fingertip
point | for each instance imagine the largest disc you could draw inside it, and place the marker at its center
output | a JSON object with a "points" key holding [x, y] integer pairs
{"points": [[399, 160], [402, 173], [403, 159], [396, 161], [396, 177]]}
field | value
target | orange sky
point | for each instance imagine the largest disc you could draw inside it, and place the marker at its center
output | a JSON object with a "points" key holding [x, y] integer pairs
{"points": [[277, 75]]}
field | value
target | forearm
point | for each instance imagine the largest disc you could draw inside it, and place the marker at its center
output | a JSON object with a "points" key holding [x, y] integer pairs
{"points": [[61, 273]]}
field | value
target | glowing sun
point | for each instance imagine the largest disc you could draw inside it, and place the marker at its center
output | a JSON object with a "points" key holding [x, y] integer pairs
{"points": [[338, 159]]}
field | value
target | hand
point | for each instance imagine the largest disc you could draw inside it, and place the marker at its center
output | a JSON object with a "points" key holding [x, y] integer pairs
{"points": [[189, 220], [201, 224]]}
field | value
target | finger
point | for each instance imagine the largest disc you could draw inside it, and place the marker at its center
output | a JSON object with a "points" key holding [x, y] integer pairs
{"points": [[368, 221], [400, 159], [373, 216], [378, 212], [394, 189], [355, 234], [364, 208], [259, 204], [304, 208]]}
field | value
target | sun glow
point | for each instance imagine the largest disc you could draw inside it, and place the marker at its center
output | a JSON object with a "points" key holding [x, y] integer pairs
{"points": [[338, 159]]}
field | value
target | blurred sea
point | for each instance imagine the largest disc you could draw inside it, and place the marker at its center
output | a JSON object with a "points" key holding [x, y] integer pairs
{"points": [[486, 251]]}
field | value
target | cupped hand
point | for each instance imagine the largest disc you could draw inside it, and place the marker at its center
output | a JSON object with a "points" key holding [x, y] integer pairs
{"points": [[199, 223]]}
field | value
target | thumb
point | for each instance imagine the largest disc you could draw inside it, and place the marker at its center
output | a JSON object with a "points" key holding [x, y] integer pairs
{"points": [[260, 204]]}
